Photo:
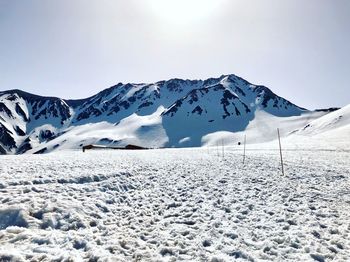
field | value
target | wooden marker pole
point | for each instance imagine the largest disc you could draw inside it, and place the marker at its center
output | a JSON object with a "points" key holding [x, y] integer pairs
{"points": [[245, 138], [279, 141]]}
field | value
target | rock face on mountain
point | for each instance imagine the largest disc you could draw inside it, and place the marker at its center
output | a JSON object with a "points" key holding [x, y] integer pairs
{"points": [[181, 111]]}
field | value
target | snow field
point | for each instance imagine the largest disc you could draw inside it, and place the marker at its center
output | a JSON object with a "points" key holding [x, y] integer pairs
{"points": [[175, 204]]}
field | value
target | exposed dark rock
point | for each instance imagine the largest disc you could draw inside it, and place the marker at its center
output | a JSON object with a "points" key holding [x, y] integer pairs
{"points": [[19, 131], [331, 109], [125, 104], [6, 138], [173, 109], [3, 108], [2, 151], [21, 112], [24, 148], [145, 104], [47, 135], [41, 151], [197, 110]]}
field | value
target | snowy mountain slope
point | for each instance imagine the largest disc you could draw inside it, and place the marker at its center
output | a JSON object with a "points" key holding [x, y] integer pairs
{"points": [[120, 101], [229, 105], [203, 111], [317, 130], [21, 115], [262, 128], [186, 111], [333, 120], [138, 130], [332, 130]]}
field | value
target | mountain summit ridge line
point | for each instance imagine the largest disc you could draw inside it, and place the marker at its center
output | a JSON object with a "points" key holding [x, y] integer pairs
{"points": [[226, 103]]}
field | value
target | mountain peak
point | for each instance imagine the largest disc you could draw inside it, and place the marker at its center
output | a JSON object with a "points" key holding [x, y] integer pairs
{"points": [[165, 111]]}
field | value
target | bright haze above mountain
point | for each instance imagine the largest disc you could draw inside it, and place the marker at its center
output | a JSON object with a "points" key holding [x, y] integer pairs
{"points": [[76, 48]]}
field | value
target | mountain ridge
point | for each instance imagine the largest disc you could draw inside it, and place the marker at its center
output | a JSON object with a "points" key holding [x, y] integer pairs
{"points": [[226, 103]]}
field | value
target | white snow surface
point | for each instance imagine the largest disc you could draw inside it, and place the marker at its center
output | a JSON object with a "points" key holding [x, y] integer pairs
{"points": [[193, 204], [337, 119], [139, 130], [315, 130]]}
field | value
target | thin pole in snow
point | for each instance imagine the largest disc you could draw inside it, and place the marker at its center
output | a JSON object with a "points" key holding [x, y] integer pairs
{"points": [[217, 148], [279, 141], [245, 138], [223, 150]]}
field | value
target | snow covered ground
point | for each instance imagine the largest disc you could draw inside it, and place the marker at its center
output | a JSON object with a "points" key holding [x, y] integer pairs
{"points": [[175, 205]]}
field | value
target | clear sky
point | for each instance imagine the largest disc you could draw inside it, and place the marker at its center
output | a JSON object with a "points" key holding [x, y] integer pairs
{"points": [[75, 48]]}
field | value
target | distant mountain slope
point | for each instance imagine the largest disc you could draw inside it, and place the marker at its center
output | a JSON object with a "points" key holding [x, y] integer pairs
{"points": [[327, 132], [182, 112], [333, 120]]}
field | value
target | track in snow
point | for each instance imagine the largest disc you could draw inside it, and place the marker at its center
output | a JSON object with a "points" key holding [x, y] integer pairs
{"points": [[178, 204]]}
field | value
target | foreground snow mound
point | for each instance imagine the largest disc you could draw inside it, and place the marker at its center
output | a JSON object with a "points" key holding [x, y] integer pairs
{"points": [[179, 204]]}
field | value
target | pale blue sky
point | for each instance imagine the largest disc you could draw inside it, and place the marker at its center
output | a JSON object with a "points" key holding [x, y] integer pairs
{"points": [[75, 48]]}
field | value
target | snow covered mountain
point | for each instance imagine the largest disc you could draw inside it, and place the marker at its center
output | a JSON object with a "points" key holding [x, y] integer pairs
{"points": [[171, 113], [334, 120]]}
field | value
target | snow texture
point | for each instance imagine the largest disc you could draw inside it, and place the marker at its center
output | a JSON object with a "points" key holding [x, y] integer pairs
{"points": [[192, 204]]}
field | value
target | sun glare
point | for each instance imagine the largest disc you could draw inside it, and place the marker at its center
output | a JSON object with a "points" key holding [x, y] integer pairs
{"points": [[184, 11]]}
